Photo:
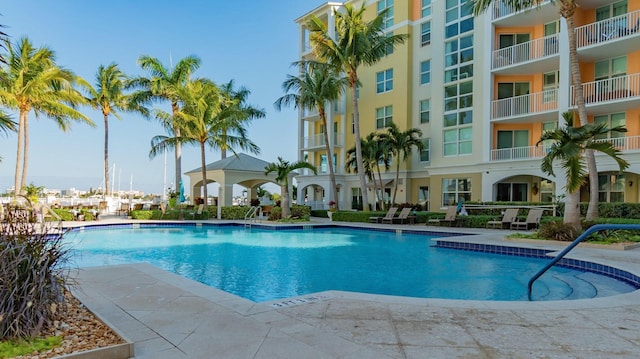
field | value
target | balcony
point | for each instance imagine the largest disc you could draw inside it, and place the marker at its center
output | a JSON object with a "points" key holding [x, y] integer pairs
{"points": [[504, 15], [511, 60], [613, 94], [625, 144], [526, 108], [619, 34], [318, 142]]}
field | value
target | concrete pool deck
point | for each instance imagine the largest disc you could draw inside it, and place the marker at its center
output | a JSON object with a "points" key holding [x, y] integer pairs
{"points": [[168, 316]]}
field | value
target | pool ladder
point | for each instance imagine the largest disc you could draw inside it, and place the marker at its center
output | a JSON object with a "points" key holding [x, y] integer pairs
{"points": [[252, 216], [582, 237]]}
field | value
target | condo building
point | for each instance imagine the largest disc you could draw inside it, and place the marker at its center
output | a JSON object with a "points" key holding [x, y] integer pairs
{"points": [[482, 89]]}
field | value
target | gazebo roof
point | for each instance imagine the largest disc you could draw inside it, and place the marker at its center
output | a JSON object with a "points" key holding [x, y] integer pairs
{"points": [[239, 162]]}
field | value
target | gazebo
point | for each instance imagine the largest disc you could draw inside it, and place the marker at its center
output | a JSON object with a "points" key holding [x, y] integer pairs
{"points": [[240, 169]]}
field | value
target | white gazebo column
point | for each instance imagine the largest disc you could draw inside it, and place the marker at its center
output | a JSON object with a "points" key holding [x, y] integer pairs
{"points": [[226, 194]]}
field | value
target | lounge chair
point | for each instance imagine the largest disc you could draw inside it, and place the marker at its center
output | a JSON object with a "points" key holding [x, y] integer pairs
{"points": [[124, 209], [198, 212], [509, 217], [449, 217], [532, 221], [402, 217], [390, 213]]}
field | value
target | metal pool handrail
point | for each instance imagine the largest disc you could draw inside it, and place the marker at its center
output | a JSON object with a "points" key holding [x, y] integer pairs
{"points": [[583, 236]]}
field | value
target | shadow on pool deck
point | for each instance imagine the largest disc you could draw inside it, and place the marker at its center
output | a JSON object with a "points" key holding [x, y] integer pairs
{"points": [[168, 316]]}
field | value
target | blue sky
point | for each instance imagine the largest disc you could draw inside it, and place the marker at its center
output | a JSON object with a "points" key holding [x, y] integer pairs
{"points": [[252, 42]]}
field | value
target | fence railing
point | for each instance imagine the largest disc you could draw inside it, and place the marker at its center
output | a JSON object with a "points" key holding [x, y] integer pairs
{"points": [[501, 10], [609, 29], [526, 51], [615, 88], [526, 104], [319, 141]]}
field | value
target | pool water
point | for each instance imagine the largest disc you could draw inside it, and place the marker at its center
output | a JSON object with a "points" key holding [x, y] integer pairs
{"points": [[264, 264]]}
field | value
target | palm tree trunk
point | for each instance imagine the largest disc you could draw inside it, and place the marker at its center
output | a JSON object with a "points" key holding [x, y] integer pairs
{"points": [[18, 174], [178, 146], [106, 155], [332, 176], [567, 10], [572, 209], [395, 183], [25, 158], [204, 174], [223, 149], [284, 203], [353, 80], [375, 187]]}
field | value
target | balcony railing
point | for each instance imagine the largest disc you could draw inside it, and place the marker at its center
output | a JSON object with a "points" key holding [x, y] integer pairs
{"points": [[526, 51], [318, 140], [629, 143], [615, 88], [502, 10], [526, 104], [309, 113], [609, 29]]}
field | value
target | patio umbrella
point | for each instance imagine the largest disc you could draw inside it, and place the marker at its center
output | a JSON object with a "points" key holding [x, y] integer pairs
{"points": [[182, 199]]}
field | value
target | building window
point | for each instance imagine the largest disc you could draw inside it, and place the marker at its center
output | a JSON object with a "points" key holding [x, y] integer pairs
{"points": [[384, 117], [388, 16], [456, 190], [425, 33], [611, 10], [425, 72], [611, 187], [550, 87], [610, 68], [547, 191], [426, 8], [384, 81], [458, 59], [458, 17], [458, 141], [423, 197], [356, 198], [425, 111], [389, 49], [458, 96], [611, 120], [512, 192], [425, 154]]}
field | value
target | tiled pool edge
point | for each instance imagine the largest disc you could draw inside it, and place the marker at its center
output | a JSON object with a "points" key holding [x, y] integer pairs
{"points": [[582, 265]]}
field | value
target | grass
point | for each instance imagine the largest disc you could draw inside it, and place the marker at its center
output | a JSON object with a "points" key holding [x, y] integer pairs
{"points": [[13, 348]]}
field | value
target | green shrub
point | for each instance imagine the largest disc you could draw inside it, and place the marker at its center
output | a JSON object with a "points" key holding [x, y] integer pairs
{"points": [[234, 212], [275, 214], [64, 214], [145, 214], [321, 213], [558, 231], [32, 277]]}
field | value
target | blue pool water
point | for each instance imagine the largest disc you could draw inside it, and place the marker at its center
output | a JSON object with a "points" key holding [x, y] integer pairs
{"points": [[263, 265]]}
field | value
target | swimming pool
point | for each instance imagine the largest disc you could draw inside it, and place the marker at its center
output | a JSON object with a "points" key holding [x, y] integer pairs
{"points": [[266, 264]]}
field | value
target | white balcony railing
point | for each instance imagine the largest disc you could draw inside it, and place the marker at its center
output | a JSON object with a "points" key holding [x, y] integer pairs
{"points": [[309, 113], [526, 51], [630, 143], [613, 28], [615, 88], [318, 140], [501, 10], [526, 104]]}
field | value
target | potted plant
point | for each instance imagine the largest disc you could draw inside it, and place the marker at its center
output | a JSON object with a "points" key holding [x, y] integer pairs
{"points": [[332, 208]]}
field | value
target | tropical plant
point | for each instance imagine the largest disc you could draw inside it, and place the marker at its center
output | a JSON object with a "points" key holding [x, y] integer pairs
{"points": [[283, 171], [165, 84], [568, 145], [33, 192], [374, 153], [33, 81], [400, 145], [317, 86], [567, 11], [357, 42], [108, 96], [233, 116]]}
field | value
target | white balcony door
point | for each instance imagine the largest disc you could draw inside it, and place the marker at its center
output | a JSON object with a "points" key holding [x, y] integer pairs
{"points": [[513, 89], [515, 143], [519, 53]]}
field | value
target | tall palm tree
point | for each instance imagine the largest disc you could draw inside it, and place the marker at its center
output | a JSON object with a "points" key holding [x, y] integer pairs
{"points": [[568, 145], [400, 145], [374, 153], [567, 11], [164, 84], [358, 42], [283, 170], [317, 86], [234, 114], [33, 81], [108, 96]]}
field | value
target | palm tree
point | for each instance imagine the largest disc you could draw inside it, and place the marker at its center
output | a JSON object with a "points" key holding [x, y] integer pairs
{"points": [[400, 145], [283, 170], [374, 153], [164, 84], [108, 96], [33, 81], [234, 114], [568, 146], [567, 11], [317, 85], [358, 42]]}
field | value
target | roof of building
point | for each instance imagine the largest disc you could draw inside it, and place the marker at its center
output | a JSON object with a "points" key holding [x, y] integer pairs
{"points": [[239, 162]]}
